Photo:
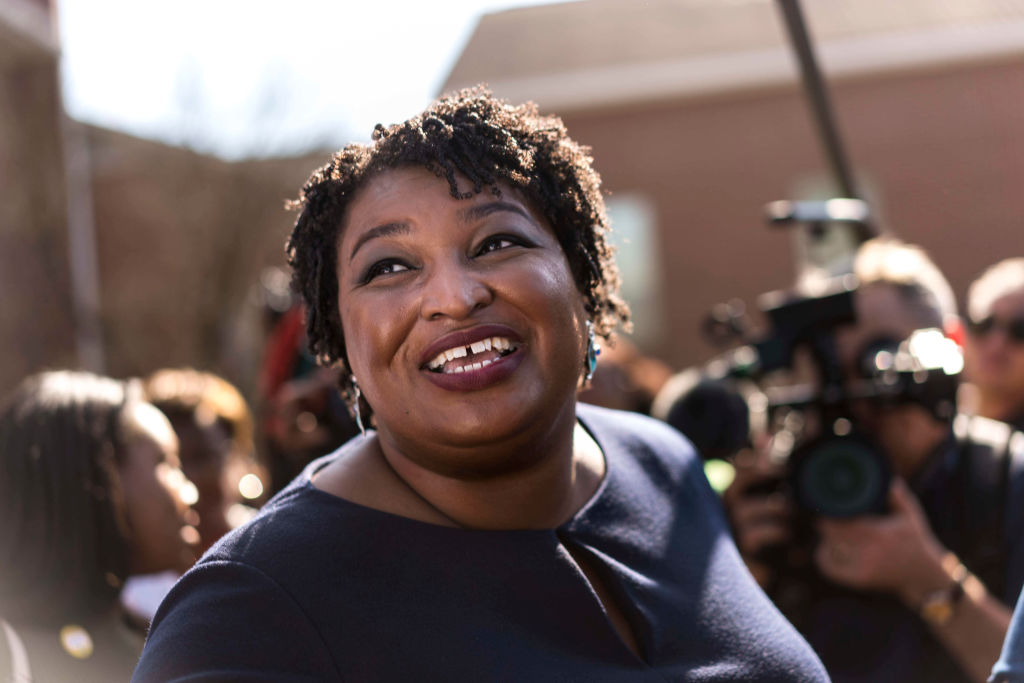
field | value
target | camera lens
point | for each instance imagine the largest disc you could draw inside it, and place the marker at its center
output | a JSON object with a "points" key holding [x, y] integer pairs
{"points": [[841, 477]]}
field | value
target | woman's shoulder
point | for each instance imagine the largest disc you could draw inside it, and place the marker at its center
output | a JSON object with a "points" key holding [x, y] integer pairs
{"points": [[306, 535], [291, 527], [628, 423], [651, 441], [259, 588], [232, 619], [647, 461]]}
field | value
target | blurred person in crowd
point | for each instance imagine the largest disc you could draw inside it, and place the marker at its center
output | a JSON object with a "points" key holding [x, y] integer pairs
{"points": [[921, 592], [994, 346], [214, 429], [714, 416], [488, 527], [89, 495], [215, 433], [625, 379], [302, 414]]}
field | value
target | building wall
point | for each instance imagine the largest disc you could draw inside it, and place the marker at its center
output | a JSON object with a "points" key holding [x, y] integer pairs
{"points": [[36, 316], [182, 240], [943, 150]]}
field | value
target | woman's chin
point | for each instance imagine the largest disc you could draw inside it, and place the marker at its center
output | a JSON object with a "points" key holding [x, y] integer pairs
{"points": [[475, 439]]}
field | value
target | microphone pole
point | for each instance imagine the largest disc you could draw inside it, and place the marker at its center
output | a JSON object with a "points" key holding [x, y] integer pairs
{"points": [[821, 108]]}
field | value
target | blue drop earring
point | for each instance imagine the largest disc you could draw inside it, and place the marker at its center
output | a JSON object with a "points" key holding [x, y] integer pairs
{"points": [[593, 351]]}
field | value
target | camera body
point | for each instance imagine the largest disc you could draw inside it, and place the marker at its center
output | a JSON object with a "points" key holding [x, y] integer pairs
{"points": [[833, 466], [840, 476]]}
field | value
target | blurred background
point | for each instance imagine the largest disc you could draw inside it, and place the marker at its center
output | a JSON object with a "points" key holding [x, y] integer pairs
{"points": [[147, 149]]}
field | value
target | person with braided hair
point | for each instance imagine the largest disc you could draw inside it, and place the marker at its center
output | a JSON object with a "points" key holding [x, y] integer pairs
{"points": [[90, 495], [484, 526]]}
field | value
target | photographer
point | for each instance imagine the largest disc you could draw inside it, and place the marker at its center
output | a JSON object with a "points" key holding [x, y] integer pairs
{"points": [[895, 596]]}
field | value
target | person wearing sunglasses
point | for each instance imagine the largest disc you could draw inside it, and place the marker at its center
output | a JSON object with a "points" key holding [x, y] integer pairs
{"points": [[994, 348]]}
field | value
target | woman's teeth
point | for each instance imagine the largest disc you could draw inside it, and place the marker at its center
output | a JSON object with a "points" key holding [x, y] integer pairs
{"points": [[500, 344], [471, 366]]}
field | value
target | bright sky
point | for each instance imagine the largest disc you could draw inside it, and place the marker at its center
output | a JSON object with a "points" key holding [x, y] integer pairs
{"points": [[259, 77]]}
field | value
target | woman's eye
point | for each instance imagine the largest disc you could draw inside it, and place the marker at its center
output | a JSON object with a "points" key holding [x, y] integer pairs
{"points": [[384, 268], [499, 242]]}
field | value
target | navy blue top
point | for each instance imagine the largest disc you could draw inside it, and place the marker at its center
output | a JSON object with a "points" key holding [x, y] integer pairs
{"points": [[320, 588], [1010, 667]]}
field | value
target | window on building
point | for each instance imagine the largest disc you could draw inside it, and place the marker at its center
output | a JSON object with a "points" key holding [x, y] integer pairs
{"points": [[634, 235]]}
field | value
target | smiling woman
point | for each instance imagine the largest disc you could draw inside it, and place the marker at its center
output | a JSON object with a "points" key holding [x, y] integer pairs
{"points": [[458, 274], [487, 527]]}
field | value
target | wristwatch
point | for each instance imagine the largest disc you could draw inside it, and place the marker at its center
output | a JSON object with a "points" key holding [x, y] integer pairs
{"points": [[939, 606]]}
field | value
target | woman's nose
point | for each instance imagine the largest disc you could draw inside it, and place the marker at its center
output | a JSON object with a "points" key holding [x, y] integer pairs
{"points": [[454, 291]]}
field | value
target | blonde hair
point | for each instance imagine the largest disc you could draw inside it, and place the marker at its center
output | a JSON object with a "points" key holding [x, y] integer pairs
{"points": [[209, 397], [997, 281], [887, 260]]}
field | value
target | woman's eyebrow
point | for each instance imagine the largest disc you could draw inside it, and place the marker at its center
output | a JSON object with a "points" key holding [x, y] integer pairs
{"points": [[481, 210], [386, 230]]}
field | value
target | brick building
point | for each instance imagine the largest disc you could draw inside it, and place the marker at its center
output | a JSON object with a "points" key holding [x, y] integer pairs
{"points": [[696, 119], [36, 313], [118, 254]]}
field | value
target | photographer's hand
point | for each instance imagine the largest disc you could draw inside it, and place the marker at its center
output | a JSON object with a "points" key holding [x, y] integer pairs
{"points": [[899, 554], [893, 553], [759, 518]]}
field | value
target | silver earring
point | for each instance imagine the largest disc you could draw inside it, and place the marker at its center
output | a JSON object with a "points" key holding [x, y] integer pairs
{"points": [[593, 351], [355, 405]]}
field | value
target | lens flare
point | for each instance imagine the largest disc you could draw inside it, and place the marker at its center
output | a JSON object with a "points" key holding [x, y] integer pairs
{"points": [[76, 641], [250, 486]]}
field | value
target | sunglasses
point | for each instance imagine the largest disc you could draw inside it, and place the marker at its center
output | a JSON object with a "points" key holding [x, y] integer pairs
{"points": [[1013, 328]]}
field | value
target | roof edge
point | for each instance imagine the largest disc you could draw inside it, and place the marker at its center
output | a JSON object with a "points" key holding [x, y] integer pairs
{"points": [[714, 74], [29, 28]]}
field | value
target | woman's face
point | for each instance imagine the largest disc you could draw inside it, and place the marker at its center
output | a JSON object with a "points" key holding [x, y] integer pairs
{"points": [[155, 493], [205, 453], [462, 321]]}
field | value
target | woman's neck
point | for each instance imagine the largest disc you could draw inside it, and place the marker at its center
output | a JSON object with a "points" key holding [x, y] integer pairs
{"points": [[541, 495], [529, 481]]}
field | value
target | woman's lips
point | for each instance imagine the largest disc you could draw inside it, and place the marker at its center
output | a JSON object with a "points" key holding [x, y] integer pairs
{"points": [[473, 356], [478, 375], [461, 341]]}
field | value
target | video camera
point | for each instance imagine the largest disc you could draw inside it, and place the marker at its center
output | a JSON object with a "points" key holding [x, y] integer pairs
{"points": [[832, 467]]}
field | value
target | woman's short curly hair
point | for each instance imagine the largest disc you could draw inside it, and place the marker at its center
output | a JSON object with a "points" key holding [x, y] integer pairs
{"points": [[487, 141]]}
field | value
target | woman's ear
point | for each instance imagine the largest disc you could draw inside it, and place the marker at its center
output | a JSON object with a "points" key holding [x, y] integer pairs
{"points": [[953, 327]]}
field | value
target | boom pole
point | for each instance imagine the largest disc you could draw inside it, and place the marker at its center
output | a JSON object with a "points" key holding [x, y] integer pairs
{"points": [[821, 107]]}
